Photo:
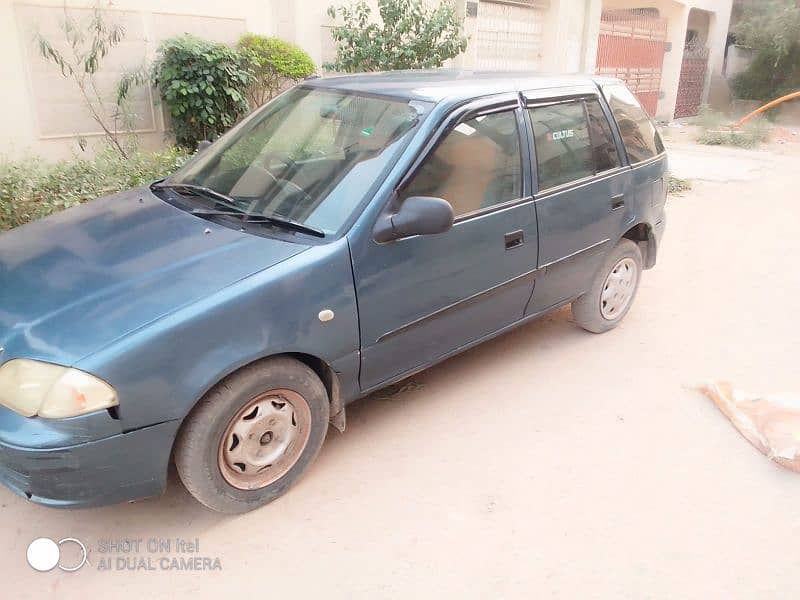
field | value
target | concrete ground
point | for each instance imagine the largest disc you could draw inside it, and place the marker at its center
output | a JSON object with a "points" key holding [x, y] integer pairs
{"points": [[547, 463]]}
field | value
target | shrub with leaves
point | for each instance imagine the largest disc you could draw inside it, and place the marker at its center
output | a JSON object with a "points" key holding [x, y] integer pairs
{"points": [[716, 130], [410, 35], [772, 29], [203, 84], [769, 76], [31, 189], [274, 63], [86, 43], [677, 186]]}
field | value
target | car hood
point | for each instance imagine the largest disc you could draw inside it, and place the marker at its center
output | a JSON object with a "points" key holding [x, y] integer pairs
{"points": [[78, 280]]}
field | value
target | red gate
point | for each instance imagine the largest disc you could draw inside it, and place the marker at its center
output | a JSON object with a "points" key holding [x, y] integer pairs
{"points": [[631, 47], [692, 82]]}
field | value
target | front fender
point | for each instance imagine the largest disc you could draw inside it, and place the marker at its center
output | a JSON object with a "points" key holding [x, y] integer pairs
{"points": [[163, 369]]}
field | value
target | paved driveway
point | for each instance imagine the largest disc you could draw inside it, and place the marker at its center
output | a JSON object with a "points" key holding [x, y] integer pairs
{"points": [[546, 463]]}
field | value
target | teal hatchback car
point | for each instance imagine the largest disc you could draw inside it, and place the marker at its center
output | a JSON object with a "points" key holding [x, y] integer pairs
{"points": [[350, 233]]}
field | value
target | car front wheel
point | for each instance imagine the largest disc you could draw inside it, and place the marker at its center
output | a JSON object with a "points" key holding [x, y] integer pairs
{"points": [[612, 291], [252, 436]]}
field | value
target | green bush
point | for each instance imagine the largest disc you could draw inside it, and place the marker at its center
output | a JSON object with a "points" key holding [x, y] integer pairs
{"points": [[677, 185], [274, 63], [203, 84], [749, 135], [31, 189], [411, 35], [769, 76], [772, 29]]}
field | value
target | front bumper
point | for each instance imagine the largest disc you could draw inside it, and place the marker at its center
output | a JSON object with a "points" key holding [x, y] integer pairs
{"points": [[114, 469]]}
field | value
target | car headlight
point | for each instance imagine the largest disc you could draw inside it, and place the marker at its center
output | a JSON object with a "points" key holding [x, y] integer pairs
{"points": [[34, 388]]}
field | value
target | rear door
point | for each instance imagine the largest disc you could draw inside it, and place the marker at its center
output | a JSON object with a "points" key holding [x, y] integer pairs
{"points": [[644, 149], [582, 190], [423, 297]]}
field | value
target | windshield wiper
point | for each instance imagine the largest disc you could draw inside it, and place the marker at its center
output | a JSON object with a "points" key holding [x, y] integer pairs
{"points": [[231, 209], [256, 218], [199, 190]]}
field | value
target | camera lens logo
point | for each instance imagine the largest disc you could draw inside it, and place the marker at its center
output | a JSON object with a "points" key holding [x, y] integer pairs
{"points": [[44, 554]]}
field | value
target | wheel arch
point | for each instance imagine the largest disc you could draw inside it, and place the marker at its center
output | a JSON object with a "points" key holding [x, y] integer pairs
{"points": [[330, 379], [642, 234], [326, 373]]}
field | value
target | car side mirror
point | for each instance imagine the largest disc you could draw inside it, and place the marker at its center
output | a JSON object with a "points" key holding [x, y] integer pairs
{"points": [[418, 215], [202, 146]]}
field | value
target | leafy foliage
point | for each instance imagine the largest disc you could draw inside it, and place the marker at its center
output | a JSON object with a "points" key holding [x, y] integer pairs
{"points": [[773, 24], [677, 185], [411, 35], [31, 189], [203, 84], [88, 43], [772, 30], [274, 64], [716, 131], [769, 76]]}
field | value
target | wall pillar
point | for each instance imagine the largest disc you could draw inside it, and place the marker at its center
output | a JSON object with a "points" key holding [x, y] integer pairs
{"points": [[591, 36], [677, 21], [717, 40], [468, 58]]}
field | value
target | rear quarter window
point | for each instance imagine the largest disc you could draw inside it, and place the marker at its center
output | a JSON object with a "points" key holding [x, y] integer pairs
{"points": [[639, 134]]}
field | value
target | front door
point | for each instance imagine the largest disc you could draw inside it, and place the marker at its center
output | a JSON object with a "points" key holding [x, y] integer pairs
{"points": [[423, 297]]}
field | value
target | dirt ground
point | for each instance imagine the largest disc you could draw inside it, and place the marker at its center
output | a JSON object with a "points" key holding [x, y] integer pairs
{"points": [[547, 463]]}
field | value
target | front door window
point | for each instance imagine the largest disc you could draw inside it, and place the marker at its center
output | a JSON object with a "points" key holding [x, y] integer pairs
{"points": [[475, 167]]}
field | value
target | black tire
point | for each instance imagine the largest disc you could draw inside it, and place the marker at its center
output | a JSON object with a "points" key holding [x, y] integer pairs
{"points": [[198, 446], [586, 310]]}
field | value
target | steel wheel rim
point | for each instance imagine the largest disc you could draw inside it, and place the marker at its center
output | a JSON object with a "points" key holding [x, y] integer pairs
{"points": [[264, 439], [618, 289]]}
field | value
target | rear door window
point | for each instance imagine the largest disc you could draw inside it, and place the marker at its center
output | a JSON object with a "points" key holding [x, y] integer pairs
{"points": [[563, 144], [639, 135]]}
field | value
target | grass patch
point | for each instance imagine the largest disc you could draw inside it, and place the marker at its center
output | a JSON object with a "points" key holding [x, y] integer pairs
{"points": [[676, 185], [32, 188], [716, 130]]}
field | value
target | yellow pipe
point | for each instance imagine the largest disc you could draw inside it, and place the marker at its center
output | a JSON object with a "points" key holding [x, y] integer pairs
{"points": [[767, 106]]}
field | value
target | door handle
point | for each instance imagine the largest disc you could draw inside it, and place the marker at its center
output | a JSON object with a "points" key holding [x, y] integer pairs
{"points": [[514, 239], [617, 201]]}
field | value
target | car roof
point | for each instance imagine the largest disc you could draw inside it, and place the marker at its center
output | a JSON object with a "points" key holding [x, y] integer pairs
{"points": [[451, 85]]}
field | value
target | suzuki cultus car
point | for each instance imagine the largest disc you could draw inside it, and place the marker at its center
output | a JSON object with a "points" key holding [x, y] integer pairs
{"points": [[351, 232]]}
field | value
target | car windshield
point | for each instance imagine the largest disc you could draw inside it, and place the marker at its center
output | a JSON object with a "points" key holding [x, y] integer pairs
{"points": [[309, 156]]}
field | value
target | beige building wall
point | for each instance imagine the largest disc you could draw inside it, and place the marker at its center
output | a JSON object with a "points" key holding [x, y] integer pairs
{"points": [[43, 114]]}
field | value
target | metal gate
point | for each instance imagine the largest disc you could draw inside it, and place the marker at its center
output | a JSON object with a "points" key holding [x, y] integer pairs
{"points": [[631, 46], [692, 82], [509, 35]]}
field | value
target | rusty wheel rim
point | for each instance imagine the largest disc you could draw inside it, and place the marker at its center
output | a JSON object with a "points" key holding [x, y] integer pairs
{"points": [[264, 439]]}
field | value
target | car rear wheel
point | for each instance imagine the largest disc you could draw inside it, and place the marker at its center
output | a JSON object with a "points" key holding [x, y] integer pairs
{"points": [[252, 436], [613, 289]]}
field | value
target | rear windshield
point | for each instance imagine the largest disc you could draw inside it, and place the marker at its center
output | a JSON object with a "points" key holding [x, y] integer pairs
{"points": [[639, 135]]}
